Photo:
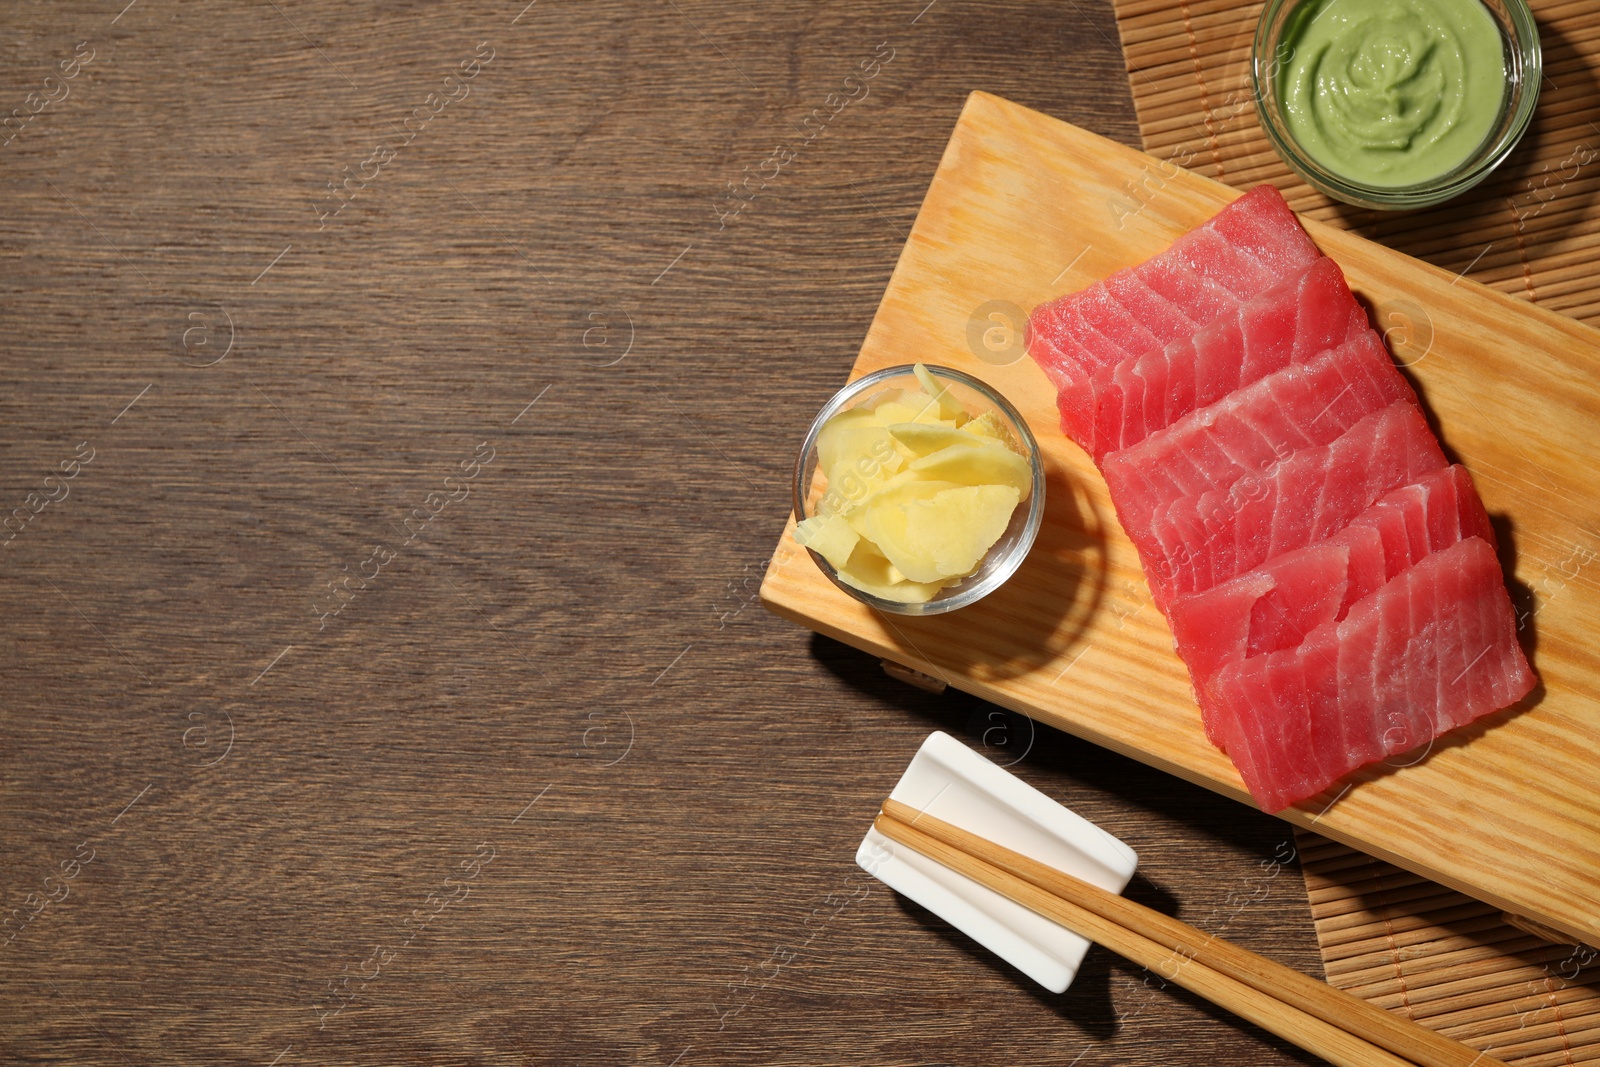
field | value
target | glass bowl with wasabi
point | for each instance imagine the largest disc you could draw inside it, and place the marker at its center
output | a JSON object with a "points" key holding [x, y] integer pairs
{"points": [[919, 489], [1395, 104]]}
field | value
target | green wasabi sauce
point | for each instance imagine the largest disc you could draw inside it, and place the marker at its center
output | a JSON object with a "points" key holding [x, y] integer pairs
{"points": [[1391, 92]]}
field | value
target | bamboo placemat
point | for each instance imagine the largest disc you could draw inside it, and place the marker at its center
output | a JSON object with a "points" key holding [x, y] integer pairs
{"points": [[1450, 962], [1532, 229]]}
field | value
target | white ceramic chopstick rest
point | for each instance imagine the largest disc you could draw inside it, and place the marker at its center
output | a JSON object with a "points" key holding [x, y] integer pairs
{"points": [[951, 781]]}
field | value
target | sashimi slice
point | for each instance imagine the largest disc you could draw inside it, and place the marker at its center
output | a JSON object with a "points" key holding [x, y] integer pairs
{"points": [[1276, 605], [1297, 319], [1201, 541], [1159, 316], [1431, 650], [1266, 229], [1246, 248], [1300, 406]]}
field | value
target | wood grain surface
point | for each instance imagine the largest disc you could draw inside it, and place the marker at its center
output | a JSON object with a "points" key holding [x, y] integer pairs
{"points": [[1025, 207], [398, 458]]}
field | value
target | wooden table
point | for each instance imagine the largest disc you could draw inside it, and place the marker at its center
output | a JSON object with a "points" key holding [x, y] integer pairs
{"points": [[398, 411]]}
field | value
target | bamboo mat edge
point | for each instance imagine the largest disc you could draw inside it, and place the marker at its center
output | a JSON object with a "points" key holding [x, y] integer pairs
{"points": [[1449, 962], [1531, 230]]}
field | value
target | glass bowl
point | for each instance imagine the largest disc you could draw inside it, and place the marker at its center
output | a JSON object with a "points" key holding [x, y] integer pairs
{"points": [[1006, 555], [1519, 40]]}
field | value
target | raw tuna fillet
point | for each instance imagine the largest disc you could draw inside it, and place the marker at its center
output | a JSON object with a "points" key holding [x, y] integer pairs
{"points": [[1275, 606], [1431, 650], [1198, 542], [1246, 248], [1300, 406], [1298, 318]]}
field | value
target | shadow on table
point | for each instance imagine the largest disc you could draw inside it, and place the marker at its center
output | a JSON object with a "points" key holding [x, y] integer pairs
{"points": [[1097, 783], [1088, 1004]]}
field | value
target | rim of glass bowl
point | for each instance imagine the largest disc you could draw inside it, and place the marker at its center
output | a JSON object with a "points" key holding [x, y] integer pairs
{"points": [[1519, 35], [994, 571]]}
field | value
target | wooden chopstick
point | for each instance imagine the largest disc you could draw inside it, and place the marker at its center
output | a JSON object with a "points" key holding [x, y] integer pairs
{"points": [[1329, 1022]]}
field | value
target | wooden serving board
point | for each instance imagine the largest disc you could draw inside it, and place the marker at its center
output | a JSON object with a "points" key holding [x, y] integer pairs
{"points": [[1023, 208]]}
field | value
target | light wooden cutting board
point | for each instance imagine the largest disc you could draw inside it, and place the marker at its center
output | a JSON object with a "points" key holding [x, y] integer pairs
{"points": [[1024, 208]]}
